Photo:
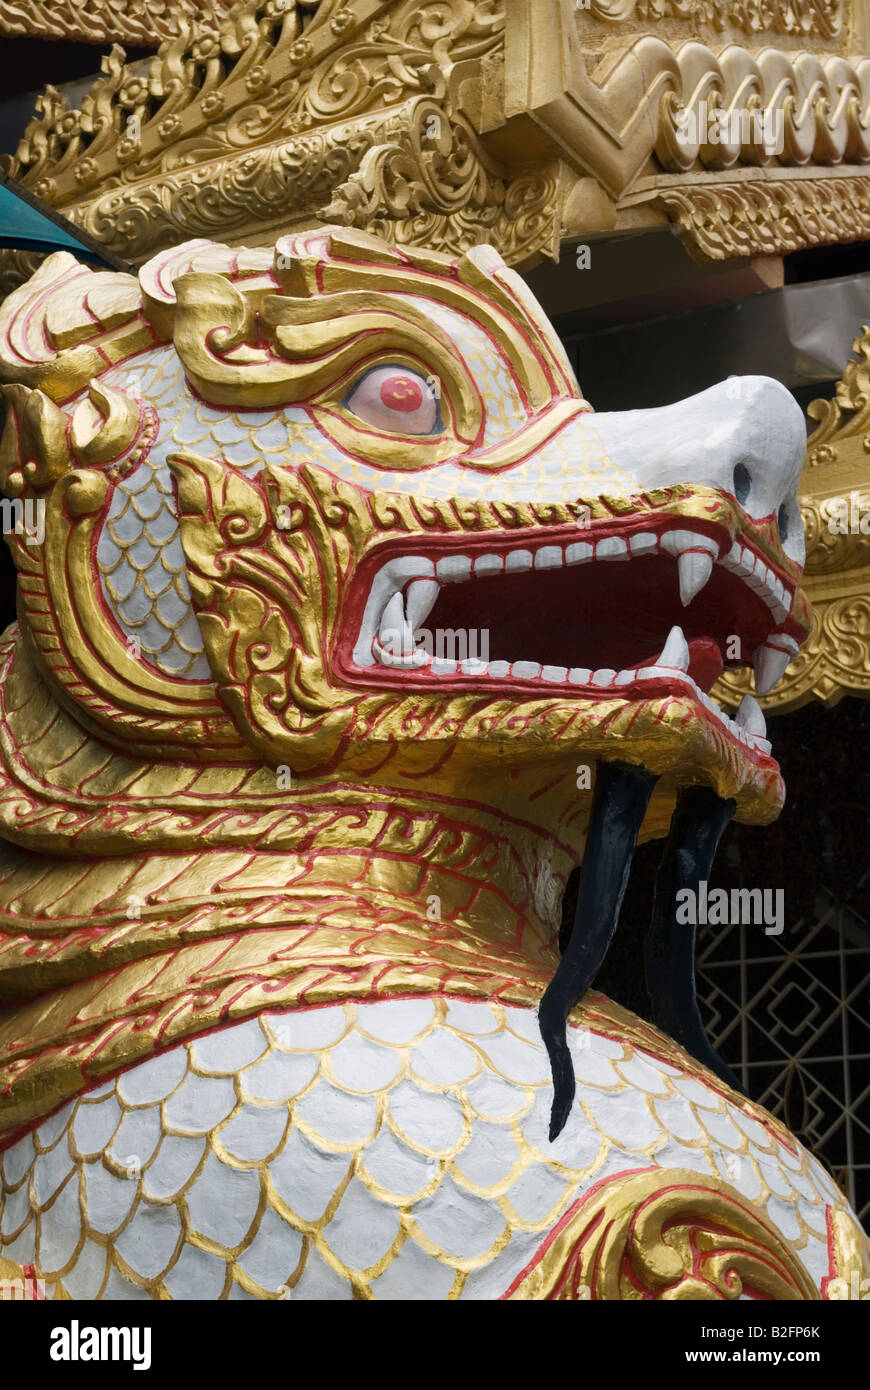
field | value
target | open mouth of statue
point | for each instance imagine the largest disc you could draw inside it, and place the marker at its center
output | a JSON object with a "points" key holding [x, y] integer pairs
{"points": [[586, 612]]}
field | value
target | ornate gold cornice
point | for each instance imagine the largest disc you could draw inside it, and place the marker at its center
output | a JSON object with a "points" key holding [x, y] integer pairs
{"points": [[256, 82], [139, 23], [615, 111], [820, 19], [835, 505], [459, 126], [380, 172], [757, 216]]}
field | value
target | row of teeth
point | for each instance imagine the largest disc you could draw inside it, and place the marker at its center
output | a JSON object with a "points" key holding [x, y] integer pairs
{"points": [[405, 590], [748, 724], [758, 576], [695, 554]]}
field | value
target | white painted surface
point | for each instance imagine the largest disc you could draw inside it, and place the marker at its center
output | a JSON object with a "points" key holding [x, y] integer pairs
{"points": [[401, 1140]]}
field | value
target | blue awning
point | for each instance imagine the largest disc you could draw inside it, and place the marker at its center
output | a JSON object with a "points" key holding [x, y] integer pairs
{"points": [[29, 224]]}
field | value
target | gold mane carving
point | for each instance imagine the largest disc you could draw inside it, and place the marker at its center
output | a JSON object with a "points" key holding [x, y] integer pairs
{"points": [[835, 506], [670, 1236]]}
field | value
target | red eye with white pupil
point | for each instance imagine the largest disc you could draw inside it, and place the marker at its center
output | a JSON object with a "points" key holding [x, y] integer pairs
{"points": [[397, 400]]}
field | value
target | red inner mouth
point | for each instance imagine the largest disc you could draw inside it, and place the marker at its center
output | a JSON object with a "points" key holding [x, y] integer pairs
{"points": [[611, 614]]}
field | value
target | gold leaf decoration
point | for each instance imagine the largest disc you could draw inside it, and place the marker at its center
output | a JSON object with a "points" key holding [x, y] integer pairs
{"points": [[667, 1236]]}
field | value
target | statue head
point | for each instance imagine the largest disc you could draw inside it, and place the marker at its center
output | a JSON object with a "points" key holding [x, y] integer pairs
{"points": [[343, 508], [338, 515]]}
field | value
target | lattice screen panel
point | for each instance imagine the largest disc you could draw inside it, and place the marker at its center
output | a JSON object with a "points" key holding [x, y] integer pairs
{"points": [[792, 1017]]}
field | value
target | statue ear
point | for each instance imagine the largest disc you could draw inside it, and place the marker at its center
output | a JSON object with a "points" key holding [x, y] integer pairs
{"points": [[67, 324], [106, 425], [267, 561]]}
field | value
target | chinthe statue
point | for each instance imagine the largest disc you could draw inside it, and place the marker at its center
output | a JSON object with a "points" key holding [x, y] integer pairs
{"points": [[346, 631]]}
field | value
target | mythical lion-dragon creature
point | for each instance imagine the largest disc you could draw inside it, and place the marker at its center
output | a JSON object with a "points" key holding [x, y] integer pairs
{"points": [[353, 632]]}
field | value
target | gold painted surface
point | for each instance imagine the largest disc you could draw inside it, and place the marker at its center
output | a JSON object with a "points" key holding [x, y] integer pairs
{"points": [[656, 1216], [423, 843], [835, 505], [8, 1270], [137, 23], [672, 1235], [755, 217], [851, 1256], [187, 882], [453, 130]]}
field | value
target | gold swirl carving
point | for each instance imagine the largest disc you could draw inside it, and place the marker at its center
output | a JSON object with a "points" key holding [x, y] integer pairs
{"points": [[823, 18], [847, 415], [214, 92], [257, 553], [267, 655], [664, 1235], [835, 506], [831, 549], [755, 218], [379, 172], [524, 224], [136, 23], [231, 194], [436, 164]]}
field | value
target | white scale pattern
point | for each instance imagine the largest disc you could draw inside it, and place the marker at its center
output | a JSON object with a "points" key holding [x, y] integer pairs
{"points": [[139, 552], [402, 1143]]}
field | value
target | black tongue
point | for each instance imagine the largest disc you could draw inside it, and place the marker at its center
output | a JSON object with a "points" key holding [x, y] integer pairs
{"points": [[622, 793], [699, 819]]}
